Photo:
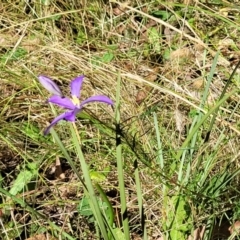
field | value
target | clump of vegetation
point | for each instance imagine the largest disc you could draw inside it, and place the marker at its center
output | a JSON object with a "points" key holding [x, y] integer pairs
{"points": [[157, 158]]}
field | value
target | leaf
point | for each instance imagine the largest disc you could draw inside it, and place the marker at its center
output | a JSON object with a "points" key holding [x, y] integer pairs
{"points": [[164, 15], [166, 54], [23, 178], [107, 57], [14, 230], [81, 37], [18, 54], [97, 176], [120, 235], [178, 221], [84, 207], [154, 39], [85, 210]]}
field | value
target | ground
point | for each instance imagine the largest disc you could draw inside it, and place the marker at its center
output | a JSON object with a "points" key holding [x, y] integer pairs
{"points": [[174, 124]]}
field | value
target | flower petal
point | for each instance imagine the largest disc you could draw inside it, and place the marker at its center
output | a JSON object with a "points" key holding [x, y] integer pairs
{"points": [[62, 102], [68, 116], [98, 98], [76, 86], [71, 117], [50, 85]]}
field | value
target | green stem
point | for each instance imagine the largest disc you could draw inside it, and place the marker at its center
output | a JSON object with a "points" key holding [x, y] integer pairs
{"points": [[90, 190]]}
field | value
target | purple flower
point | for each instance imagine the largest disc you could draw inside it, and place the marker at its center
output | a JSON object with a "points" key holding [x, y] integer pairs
{"points": [[50, 85], [72, 104]]}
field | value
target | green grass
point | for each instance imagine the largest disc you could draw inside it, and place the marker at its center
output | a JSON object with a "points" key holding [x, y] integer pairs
{"points": [[141, 169]]}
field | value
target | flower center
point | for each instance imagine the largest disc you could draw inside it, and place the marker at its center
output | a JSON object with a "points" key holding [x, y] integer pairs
{"points": [[75, 101]]}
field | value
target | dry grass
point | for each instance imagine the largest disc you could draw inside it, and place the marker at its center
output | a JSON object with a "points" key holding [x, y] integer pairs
{"points": [[163, 74]]}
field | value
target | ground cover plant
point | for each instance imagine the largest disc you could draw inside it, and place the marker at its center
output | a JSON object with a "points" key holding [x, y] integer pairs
{"points": [[119, 120]]}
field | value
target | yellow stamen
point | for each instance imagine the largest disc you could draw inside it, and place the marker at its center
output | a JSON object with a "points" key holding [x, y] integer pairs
{"points": [[75, 100]]}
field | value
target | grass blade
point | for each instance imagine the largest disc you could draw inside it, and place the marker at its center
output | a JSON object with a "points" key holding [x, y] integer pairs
{"points": [[124, 213]]}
